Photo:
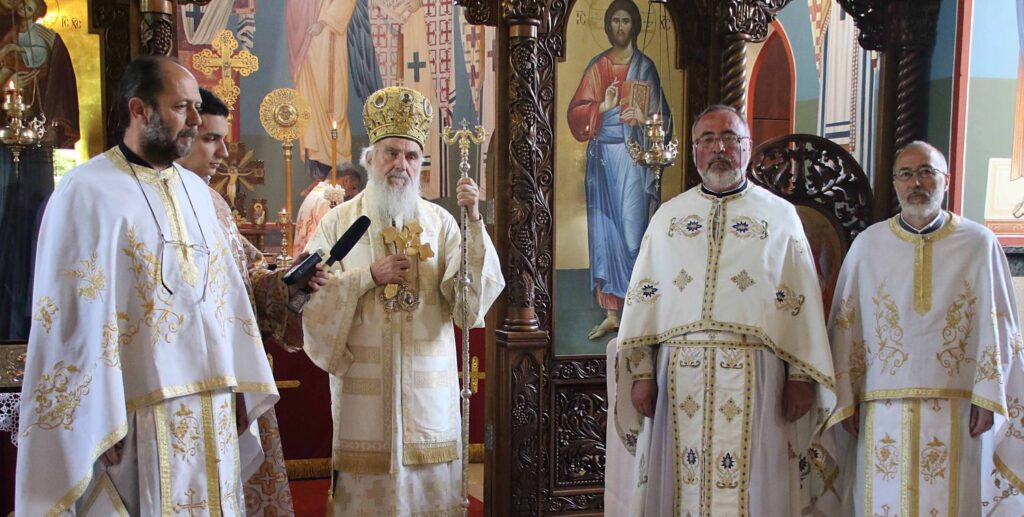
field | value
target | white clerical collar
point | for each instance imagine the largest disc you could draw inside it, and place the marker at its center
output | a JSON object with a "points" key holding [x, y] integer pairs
{"points": [[928, 228]]}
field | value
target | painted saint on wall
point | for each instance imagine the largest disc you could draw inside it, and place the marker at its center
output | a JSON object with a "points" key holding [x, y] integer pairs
{"points": [[619, 89]]}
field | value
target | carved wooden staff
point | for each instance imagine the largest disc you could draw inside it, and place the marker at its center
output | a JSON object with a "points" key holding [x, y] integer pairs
{"points": [[464, 138]]}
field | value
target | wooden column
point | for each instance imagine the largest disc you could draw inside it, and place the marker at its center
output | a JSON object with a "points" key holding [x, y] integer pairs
{"points": [[742, 21], [904, 31]]}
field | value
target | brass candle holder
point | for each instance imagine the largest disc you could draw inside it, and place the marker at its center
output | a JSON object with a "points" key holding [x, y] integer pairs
{"points": [[658, 154], [19, 133]]}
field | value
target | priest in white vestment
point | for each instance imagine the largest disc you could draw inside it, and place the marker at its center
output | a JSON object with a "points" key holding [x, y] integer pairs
{"points": [[382, 326], [144, 346], [723, 345], [267, 491], [927, 344]]}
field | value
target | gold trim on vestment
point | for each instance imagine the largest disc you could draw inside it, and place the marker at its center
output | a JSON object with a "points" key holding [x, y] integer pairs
{"points": [[192, 388], [923, 257], [105, 486], [431, 380], [365, 354], [954, 465], [362, 462], [213, 493], [308, 468], [163, 445], [916, 393], [360, 386], [869, 460], [164, 181], [709, 420], [910, 437], [1010, 476], [428, 453], [65, 503], [736, 328]]}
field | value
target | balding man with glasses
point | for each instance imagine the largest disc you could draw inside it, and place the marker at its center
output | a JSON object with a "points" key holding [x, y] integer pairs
{"points": [[143, 346], [722, 348], [927, 344]]}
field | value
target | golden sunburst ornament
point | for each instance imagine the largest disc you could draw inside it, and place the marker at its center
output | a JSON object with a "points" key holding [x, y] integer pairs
{"points": [[284, 114]]}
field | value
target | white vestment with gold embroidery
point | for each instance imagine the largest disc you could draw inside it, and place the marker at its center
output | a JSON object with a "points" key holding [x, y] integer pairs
{"points": [[114, 355], [923, 326], [723, 307], [394, 384]]}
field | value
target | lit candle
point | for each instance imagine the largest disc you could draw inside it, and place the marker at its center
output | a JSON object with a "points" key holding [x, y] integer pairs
{"points": [[655, 117]]}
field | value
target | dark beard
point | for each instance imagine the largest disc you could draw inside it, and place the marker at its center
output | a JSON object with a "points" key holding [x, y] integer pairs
{"points": [[159, 146]]}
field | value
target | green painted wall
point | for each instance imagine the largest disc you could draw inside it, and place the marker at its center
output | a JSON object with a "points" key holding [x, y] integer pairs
{"points": [[989, 135], [940, 113], [806, 117]]}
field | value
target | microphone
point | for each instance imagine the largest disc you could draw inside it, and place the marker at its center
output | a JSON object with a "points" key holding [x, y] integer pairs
{"points": [[303, 271]]}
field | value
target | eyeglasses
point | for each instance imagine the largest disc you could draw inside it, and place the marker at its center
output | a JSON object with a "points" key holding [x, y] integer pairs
{"points": [[924, 173], [191, 257], [729, 140]]}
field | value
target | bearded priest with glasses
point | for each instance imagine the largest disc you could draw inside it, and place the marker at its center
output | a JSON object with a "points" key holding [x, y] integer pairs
{"points": [[928, 350], [723, 365], [145, 372]]}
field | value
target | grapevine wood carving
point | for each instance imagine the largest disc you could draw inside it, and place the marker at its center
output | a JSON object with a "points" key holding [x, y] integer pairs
{"points": [[816, 172], [108, 19], [156, 33]]}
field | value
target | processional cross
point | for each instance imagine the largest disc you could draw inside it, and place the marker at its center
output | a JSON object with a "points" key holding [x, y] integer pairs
{"points": [[224, 60]]}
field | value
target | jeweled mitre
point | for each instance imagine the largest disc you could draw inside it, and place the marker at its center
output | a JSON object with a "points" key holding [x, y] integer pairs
{"points": [[397, 111]]}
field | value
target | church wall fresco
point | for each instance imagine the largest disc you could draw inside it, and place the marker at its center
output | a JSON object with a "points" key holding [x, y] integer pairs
{"points": [[335, 53]]}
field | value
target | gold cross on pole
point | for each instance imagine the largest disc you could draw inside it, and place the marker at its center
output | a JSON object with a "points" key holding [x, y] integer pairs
{"points": [[224, 60], [464, 138]]}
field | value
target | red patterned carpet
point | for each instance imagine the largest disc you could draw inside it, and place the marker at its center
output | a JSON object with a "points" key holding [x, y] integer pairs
{"points": [[310, 498]]}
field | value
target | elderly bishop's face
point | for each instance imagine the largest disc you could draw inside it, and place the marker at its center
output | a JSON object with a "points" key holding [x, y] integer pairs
{"points": [[396, 161]]}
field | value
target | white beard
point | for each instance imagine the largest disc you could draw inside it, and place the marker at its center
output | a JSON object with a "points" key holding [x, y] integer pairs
{"points": [[921, 210], [392, 203]]}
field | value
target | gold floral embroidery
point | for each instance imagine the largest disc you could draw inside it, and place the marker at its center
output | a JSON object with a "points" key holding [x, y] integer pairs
{"points": [[732, 359], [185, 433], [1016, 343], [988, 368], [691, 358], [689, 226], [93, 278], [690, 406], [934, 460], [730, 410], [957, 332], [887, 458], [743, 280], [646, 291], [857, 361], [45, 311], [225, 426], [846, 314], [58, 395], [115, 336], [682, 279], [145, 266], [888, 332], [728, 471], [746, 228], [787, 300], [1015, 422]]}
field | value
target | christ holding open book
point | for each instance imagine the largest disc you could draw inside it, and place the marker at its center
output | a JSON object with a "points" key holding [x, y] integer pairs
{"points": [[617, 92]]}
